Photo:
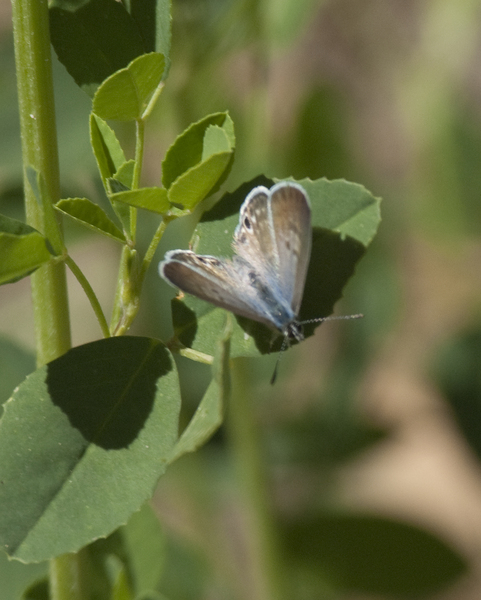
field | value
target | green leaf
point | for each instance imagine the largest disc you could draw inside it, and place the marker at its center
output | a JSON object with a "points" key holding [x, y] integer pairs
{"points": [[50, 223], [154, 22], [16, 577], [344, 207], [137, 549], [21, 254], [122, 182], [188, 149], [195, 184], [105, 32], [125, 95], [208, 416], [106, 147], [91, 215], [216, 141], [366, 554], [9, 225], [125, 173], [153, 199], [144, 544], [40, 590], [15, 364], [86, 435], [345, 217]]}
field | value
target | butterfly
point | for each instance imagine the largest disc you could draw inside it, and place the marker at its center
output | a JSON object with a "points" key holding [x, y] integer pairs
{"points": [[265, 279]]}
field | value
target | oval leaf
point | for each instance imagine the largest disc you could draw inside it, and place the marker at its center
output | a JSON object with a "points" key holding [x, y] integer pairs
{"points": [[97, 427], [104, 31], [125, 95], [91, 215], [188, 149], [153, 199], [107, 149], [21, 255], [195, 184], [372, 555]]}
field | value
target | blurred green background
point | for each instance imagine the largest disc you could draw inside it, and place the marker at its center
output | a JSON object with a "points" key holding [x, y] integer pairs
{"points": [[381, 415]]}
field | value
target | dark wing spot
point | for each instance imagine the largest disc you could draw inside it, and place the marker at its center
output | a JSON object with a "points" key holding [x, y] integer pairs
{"points": [[208, 261]]}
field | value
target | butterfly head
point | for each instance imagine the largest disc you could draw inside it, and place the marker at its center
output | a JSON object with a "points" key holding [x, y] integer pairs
{"points": [[294, 331]]}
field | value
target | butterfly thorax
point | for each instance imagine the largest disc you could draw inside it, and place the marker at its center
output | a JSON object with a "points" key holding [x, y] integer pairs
{"points": [[294, 331], [279, 312]]}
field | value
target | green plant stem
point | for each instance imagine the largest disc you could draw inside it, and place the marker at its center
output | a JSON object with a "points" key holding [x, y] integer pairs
{"points": [[66, 577], [149, 255], [127, 294], [39, 150], [153, 100], [87, 288], [207, 359], [139, 152], [245, 441], [139, 157]]}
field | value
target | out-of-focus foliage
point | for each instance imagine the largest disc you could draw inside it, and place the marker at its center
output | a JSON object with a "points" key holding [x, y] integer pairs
{"points": [[385, 94]]}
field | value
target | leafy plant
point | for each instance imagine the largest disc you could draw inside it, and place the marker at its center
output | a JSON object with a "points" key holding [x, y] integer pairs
{"points": [[86, 436]]}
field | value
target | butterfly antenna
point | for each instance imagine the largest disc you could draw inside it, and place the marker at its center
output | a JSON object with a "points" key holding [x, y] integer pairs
{"points": [[332, 318], [285, 342], [276, 368]]}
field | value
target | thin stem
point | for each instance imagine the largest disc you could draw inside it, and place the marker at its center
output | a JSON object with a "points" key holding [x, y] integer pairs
{"points": [[139, 157], [207, 359], [245, 441], [153, 100], [87, 288], [149, 255], [66, 577], [139, 152]]}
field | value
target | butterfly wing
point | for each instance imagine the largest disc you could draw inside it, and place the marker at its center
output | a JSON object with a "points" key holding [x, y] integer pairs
{"points": [[274, 235], [224, 283], [291, 219], [254, 238]]}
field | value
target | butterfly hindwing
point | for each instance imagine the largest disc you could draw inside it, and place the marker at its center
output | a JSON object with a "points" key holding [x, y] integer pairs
{"points": [[224, 283]]}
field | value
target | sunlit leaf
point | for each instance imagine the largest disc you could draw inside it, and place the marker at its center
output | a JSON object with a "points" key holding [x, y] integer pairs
{"points": [[153, 199], [20, 254], [91, 215], [125, 95], [193, 146], [97, 426], [107, 149]]}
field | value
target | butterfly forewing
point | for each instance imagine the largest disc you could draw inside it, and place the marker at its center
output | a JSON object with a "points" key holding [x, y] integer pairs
{"points": [[291, 218], [217, 281]]}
